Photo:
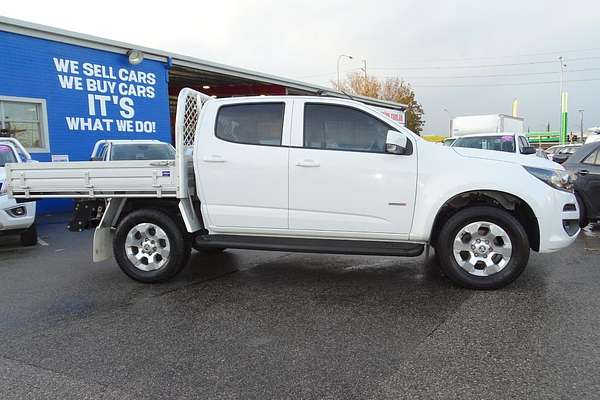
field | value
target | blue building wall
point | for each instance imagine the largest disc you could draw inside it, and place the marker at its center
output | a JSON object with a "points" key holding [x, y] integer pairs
{"points": [[90, 95]]}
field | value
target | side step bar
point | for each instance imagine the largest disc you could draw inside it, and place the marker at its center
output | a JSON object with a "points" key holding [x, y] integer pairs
{"points": [[329, 246]]}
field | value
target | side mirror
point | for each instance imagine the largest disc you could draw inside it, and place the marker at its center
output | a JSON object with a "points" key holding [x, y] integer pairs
{"points": [[528, 150], [396, 142]]}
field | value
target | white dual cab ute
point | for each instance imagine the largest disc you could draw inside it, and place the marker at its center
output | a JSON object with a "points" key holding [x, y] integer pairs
{"points": [[15, 218], [315, 174]]}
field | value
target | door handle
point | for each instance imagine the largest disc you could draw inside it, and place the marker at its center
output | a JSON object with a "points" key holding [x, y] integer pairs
{"points": [[583, 172], [308, 163], [213, 158]]}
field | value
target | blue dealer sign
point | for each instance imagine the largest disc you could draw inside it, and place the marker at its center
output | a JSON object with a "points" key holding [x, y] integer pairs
{"points": [[88, 94]]}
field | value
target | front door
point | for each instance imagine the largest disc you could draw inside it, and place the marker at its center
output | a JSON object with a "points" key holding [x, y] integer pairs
{"points": [[341, 178]]}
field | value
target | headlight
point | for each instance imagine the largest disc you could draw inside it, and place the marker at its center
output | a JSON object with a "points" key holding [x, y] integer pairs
{"points": [[558, 179]]}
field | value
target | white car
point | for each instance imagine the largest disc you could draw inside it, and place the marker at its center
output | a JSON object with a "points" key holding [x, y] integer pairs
{"points": [[15, 218], [507, 142], [317, 174]]}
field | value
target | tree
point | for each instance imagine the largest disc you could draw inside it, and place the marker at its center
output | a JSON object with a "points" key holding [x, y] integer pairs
{"points": [[392, 89]]}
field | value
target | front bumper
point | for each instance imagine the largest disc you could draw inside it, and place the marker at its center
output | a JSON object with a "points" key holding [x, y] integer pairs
{"points": [[9, 220], [558, 221]]}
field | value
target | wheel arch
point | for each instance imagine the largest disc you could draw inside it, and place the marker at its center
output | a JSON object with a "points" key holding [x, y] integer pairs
{"points": [[518, 207]]}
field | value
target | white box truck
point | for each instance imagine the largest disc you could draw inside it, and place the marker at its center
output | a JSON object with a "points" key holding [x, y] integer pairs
{"points": [[492, 123]]}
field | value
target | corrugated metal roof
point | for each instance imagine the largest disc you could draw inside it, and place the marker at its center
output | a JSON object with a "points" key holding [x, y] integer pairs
{"points": [[80, 39]]}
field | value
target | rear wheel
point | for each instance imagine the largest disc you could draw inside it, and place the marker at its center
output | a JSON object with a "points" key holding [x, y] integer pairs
{"points": [[150, 247], [482, 248], [29, 237]]}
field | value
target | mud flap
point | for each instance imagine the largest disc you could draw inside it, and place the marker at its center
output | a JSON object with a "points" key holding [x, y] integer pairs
{"points": [[103, 233]]}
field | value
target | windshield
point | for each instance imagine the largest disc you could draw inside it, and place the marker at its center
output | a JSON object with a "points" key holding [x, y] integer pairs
{"points": [[499, 143], [158, 151], [6, 155]]}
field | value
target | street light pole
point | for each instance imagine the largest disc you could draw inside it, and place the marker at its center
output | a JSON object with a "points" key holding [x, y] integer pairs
{"points": [[563, 100], [450, 123], [338, 68], [580, 124]]}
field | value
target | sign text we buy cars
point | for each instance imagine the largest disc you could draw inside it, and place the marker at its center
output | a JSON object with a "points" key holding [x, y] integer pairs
{"points": [[111, 94]]}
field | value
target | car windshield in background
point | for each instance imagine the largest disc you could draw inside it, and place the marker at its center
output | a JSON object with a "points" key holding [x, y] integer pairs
{"points": [[157, 151], [6, 155], [498, 143]]}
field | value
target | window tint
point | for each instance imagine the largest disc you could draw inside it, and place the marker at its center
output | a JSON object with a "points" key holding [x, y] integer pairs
{"points": [[592, 158], [142, 152], [342, 128], [498, 143], [260, 123]]}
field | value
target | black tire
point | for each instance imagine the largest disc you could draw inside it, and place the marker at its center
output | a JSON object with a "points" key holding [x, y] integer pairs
{"points": [[179, 246], [583, 219], [29, 237], [513, 228]]}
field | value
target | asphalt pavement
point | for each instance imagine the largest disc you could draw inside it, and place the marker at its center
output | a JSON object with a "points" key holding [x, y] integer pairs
{"points": [[268, 325]]}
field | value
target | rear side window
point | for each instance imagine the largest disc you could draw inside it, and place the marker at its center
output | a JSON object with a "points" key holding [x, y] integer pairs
{"points": [[336, 127], [259, 123]]}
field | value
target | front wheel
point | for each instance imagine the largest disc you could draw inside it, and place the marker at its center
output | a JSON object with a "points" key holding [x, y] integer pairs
{"points": [[482, 248], [150, 247]]}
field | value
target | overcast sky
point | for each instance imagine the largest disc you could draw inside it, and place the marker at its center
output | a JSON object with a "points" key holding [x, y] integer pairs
{"points": [[443, 48]]}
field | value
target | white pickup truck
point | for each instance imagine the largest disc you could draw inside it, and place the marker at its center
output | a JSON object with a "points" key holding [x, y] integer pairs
{"points": [[315, 174]]}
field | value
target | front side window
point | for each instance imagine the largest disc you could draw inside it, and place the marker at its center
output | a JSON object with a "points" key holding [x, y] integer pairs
{"points": [[259, 123], [337, 127], [22, 120]]}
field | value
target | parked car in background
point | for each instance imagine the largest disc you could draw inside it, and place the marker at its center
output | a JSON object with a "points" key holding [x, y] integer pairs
{"points": [[541, 153], [593, 138], [15, 218], [120, 150], [506, 142], [87, 213], [552, 150], [586, 164], [564, 153]]}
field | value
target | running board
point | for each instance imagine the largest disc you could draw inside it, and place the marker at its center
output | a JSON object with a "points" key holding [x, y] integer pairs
{"points": [[330, 246]]}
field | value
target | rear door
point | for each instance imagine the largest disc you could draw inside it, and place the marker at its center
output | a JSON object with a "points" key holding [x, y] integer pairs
{"points": [[242, 160], [341, 178]]}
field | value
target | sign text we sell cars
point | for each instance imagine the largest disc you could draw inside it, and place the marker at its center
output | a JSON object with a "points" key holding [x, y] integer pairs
{"points": [[111, 95]]}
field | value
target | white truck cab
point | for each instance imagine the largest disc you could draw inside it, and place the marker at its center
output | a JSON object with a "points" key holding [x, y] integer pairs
{"points": [[317, 174], [15, 218]]}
